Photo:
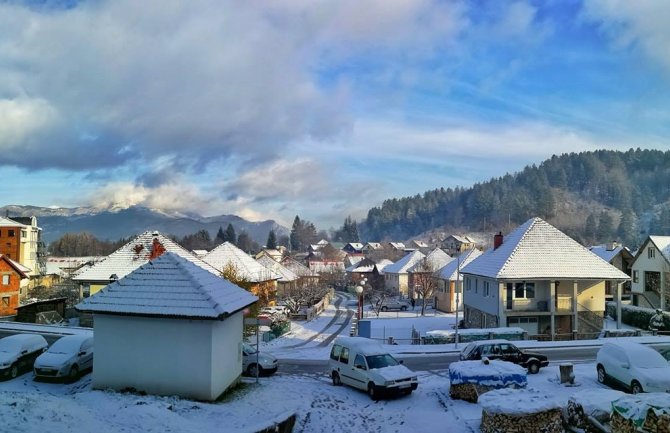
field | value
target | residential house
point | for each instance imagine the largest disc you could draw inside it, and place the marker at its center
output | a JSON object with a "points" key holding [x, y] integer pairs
{"points": [[352, 259], [274, 254], [651, 273], [169, 327], [353, 248], [449, 293], [59, 269], [306, 277], [539, 279], [425, 272], [396, 278], [11, 274], [397, 246], [419, 245], [147, 246], [621, 258], [456, 244], [20, 240], [262, 282], [372, 246], [287, 280], [370, 270]]}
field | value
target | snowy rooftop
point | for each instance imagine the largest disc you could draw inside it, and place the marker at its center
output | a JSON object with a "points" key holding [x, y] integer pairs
{"points": [[436, 259], [6, 222], [17, 266], [448, 271], [285, 274], [404, 264], [298, 268], [134, 254], [605, 253], [170, 286], [538, 250], [228, 254], [663, 244], [463, 239]]}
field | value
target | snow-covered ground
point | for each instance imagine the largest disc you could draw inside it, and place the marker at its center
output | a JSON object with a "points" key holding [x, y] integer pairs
{"points": [[35, 407]]}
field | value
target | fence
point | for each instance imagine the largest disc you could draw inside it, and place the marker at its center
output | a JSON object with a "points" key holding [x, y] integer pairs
{"points": [[307, 313]]}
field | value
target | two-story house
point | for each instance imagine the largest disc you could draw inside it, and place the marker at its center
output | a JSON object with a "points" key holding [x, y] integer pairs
{"points": [[449, 295], [651, 273], [20, 240], [11, 274], [456, 244], [396, 278], [621, 258], [539, 279]]}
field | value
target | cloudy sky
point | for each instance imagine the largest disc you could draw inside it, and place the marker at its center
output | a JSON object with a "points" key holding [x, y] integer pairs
{"points": [[320, 108]]}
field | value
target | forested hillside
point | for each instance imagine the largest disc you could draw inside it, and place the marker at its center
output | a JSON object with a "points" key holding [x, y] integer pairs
{"points": [[594, 196]]}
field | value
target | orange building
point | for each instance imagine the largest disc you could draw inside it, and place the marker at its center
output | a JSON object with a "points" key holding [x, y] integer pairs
{"points": [[11, 275]]}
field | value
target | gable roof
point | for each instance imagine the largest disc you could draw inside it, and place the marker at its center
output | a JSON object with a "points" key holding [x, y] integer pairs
{"points": [[538, 250], [435, 260], [448, 271], [298, 268], [248, 268], [663, 245], [405, 263], [134, 254], [382, 264], [23, 271], [170, 286], [355, 245], [464, 239], [285, 274], [608, 255], [7, 222], [373, 246], [397, 245]]}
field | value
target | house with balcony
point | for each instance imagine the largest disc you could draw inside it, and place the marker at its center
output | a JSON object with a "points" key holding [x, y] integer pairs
{"points": [[539, 279], [651, 274], [621, 258]]}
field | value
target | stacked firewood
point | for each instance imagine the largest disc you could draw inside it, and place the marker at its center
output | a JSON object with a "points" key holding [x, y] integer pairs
{"points": [[549, 421], [652, 423], [576, 417], [468, 391]]}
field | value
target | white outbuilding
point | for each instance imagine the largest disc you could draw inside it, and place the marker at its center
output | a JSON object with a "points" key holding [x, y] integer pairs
{"points": [[168, 328]]}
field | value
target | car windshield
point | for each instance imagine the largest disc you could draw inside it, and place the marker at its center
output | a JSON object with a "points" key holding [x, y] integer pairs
{"points": [[381, 361], [249, 349], [651, 362], [9, 346], [65, 346]]}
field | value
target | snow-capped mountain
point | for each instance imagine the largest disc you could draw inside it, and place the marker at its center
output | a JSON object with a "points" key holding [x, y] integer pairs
{"points": [[117, 222]]}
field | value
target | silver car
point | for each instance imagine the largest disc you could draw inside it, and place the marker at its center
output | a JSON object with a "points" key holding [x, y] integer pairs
{"points": [[267, 364], [66, 358], [394, 304]]}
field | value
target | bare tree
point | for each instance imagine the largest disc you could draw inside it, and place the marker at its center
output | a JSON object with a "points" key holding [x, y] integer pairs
{"points": [[425, 279], [303, 296]]}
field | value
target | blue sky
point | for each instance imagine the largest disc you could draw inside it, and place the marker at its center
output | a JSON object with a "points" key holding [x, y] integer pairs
{"points": [[318, 108]]}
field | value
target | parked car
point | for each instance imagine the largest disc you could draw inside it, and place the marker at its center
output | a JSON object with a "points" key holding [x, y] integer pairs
{"points": [[634, 366], [364, 364], [18, 353], [394, 304], [266, 364], [505, 351], [66, 358], [278, 310]]}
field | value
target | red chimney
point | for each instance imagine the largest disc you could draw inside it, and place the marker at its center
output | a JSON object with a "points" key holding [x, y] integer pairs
{"points": [[497, 240]]}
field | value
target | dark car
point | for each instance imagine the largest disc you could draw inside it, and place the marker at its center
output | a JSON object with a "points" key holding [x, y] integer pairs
{"points": [[505, 351]]}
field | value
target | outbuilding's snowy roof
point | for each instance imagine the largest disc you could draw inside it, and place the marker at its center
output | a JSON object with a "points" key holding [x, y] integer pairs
{"points": [[404, 264], [285, 274], [382, 264], [170, 286], [448, 271], [538, 250], [134, 254], [249, 269], [663, 244]]}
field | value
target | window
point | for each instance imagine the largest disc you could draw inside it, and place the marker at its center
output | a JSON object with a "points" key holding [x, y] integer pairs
{"points": [[476, 285], [530, 290], [468, 284], [335, 352], [360, 362], [10, 233], [24, 234], [524, 290], [5, 301], [344, 357], [651, 253], [518, 290], [636, 277], [486, 288], [5, 280]]}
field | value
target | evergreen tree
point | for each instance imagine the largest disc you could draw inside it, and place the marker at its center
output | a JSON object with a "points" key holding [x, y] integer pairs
{"points": [[591, 228], [295, 234], [244, 242], [605, 227], [627, 230], [229, 235], [220, 236], [272, 240]]}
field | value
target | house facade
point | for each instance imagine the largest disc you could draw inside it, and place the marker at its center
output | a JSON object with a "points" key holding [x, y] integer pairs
{"points": [[425, 271], [168, 328], [651, 273], [20, 240], [450, 281], [456, 244], [539, 279], [11, 274], [619, 257], [396, 277]]}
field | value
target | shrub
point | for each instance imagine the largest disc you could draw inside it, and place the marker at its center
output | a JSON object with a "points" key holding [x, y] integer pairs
{"points": [[638, 317]]}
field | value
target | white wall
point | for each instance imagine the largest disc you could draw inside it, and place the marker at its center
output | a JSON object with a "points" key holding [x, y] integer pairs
{"points": [[476, 298], [644, 263], [163, 356], [226, 353]]}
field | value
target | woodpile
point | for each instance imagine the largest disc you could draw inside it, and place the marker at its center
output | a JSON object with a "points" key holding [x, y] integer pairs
{"points": [[468, 391], [549, 421], [652, 423]]}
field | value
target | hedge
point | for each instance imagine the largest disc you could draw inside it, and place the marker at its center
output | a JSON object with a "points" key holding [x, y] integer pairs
{"points": [[638, 317]]}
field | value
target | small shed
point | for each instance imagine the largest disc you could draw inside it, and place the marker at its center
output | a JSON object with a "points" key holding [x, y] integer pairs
{"points": [[168, 328], [46, 311]]}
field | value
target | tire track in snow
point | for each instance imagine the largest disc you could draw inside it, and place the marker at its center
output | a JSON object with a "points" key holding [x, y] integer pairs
{"points": [[338, 313]]}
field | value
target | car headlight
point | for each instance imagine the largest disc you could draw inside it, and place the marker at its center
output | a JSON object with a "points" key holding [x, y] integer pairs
{"points": [[415, 378], [389, 382]]}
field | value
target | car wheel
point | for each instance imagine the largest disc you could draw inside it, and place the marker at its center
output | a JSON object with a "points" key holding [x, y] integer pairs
{"points": [[252, 370], [372, 392], [336, 379], [635, 387], [403, 308], [13, 371], [602, 377], [409, 391], [73, 375], [384, 308], [533, 368]]}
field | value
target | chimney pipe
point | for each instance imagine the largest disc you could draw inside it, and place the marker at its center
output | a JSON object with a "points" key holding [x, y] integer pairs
{"points": [[497, 240]]}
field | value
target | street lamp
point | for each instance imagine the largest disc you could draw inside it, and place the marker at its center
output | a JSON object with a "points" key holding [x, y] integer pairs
{"points": [[359, 291]]}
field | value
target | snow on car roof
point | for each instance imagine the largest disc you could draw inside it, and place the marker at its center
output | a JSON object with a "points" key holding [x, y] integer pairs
{"points": [[24, 341], [69, 343], [365, 346]]}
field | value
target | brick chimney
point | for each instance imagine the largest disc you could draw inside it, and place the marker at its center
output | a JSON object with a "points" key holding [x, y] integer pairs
{"points": [[497, 240]]}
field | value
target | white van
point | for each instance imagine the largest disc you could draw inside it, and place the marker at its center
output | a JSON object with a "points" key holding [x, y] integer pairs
{"points": [[364, 364]]}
